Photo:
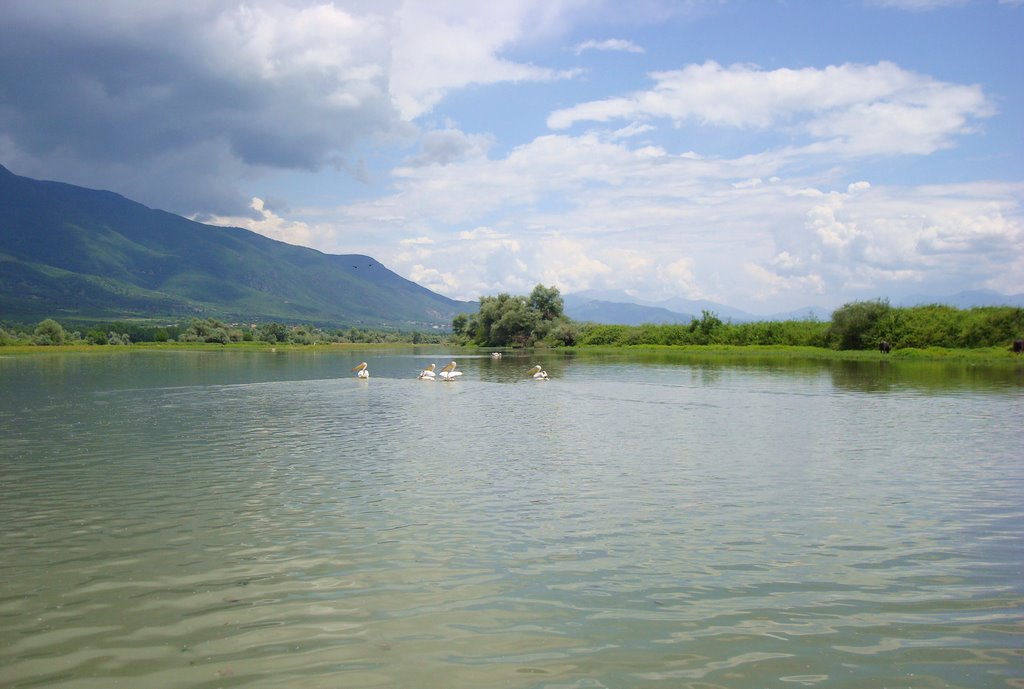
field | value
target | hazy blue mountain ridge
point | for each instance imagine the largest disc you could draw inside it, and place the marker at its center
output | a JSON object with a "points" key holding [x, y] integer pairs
{"points": [[613, 307], [619, 313], [966, 299]]}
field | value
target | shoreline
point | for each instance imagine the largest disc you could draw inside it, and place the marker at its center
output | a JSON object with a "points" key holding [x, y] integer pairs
{"points": [[769, 353]]}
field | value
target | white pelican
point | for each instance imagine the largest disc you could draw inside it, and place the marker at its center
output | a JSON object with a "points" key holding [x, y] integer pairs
{"points": [[449, 373], [538, 373], [363, 371], [495, 355], [427, 373]]}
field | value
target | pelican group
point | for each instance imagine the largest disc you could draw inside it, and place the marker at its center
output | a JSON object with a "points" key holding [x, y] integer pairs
{"points": [[448, 373]]}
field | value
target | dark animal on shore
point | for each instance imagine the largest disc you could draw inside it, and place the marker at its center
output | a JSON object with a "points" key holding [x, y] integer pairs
{"points": [[1018, 346], [884, 347]]}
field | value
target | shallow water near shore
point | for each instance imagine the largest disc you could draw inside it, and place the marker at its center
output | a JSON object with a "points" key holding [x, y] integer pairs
{"points": [[259, 519]]}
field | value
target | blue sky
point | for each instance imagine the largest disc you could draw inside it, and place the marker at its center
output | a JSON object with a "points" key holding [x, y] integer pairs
{"points": [[766, 155]]}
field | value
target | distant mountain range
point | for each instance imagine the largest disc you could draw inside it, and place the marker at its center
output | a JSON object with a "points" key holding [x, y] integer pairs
{"points": [[75, 253], [966, 299], [610, 307]]}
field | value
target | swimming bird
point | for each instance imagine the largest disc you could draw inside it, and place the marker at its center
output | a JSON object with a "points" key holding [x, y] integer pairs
{"points": [[427, 373], [495, 355], [448, 373], [363, 371], [538, 373]]}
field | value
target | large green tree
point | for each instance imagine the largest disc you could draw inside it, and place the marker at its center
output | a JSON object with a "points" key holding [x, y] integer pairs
{"points": [[507, 320], [547, 302]]}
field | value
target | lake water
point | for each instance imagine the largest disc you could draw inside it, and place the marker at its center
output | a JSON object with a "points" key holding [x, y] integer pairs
{"points": [[258, 519]]}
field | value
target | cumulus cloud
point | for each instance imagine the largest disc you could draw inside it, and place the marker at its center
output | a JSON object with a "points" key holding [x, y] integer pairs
{"points": [[569, 264], [852, 109], [595, 212], [768, 283], [602, 211], [266, 222], [872, 239], [434, 279]]}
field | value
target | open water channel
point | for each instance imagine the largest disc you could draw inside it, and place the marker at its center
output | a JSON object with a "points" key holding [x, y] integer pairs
{"points": [[265, 520]]}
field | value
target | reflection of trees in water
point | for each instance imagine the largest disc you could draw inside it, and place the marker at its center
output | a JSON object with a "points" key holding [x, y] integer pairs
{"points": [[856, 376], [513, 364], [923, 376], [708, 374], [865, 376]]}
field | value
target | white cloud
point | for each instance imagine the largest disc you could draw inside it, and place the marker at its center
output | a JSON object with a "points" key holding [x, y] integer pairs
{"points": [[697, 230], [269, 224], [748, 183], [852, 109], [601, 211], [874, 239], [631, 130], [768, 284], [433, 279], [485, 233], [679, 278], [610, 44], [417, 241], [444, 46], [567, 263]]}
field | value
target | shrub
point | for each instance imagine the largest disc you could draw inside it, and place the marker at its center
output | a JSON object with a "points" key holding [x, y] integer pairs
{"points": [[860, 324], [48, 332]]}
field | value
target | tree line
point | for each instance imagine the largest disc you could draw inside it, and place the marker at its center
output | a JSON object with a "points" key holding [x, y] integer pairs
{"points": [[539, 319], [50, 332], [509, 321]]}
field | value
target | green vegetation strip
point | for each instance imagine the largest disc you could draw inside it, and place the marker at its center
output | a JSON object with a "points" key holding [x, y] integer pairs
{"points": [[780, 353], [859, 330], [748, 354]]}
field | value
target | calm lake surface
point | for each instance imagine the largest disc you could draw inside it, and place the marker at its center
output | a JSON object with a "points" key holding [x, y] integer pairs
{"points": [[258, 519]]}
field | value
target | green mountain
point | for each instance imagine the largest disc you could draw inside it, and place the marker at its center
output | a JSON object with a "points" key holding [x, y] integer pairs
{"points": [[80, 254]]}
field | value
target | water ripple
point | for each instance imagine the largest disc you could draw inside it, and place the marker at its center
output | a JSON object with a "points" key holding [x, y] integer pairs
{"points": [[680, 528]]}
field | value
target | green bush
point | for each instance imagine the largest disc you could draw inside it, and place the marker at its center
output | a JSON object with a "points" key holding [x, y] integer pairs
{"points": [[48, 332], [861, 324]]}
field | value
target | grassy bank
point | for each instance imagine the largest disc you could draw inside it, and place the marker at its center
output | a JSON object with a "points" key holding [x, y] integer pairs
{"points": [[20, 350], [984, 355], [751, 353]]}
